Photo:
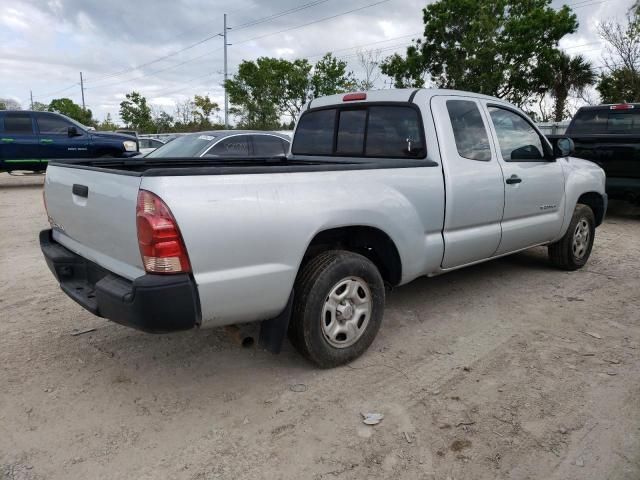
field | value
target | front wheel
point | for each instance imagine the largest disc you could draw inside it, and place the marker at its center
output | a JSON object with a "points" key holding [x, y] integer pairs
{"points": [[572, 251], [338, 308]]}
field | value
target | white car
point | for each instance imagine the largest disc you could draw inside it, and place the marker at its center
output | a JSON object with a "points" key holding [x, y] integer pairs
{"points": [[148, 145]]}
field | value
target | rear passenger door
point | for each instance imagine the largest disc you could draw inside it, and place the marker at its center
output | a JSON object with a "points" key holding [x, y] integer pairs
{"points": [[55, 141], [473, 178], [19, 147], [534, 181]]}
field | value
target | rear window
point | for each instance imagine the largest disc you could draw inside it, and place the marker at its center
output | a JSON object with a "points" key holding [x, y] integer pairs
{"points": [[351, 128], [314, 135], [387, 131], [185, 146], [18, 124], [606, 121]]}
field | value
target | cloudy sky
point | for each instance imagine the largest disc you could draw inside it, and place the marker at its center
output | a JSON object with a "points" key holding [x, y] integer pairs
{"points": [[169, 49]]}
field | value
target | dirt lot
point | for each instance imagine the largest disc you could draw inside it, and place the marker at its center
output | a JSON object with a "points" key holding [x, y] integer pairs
{"points": [[510, 369]]}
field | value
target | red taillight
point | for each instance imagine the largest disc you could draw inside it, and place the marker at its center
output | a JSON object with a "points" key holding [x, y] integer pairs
{"points": [[352, 97], [622, 106], [161, 244]]}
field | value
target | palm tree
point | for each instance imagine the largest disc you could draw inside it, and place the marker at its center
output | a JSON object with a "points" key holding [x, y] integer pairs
{"points": [[570, 76]]}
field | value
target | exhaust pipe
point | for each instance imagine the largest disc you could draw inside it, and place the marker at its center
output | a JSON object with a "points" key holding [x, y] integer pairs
{"points": [[242, 337]]}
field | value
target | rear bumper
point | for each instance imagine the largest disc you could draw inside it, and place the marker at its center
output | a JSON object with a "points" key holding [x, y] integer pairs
{"points": [[152, 303]]}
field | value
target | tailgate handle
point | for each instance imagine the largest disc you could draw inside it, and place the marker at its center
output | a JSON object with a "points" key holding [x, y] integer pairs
{"points": [[80, 190]]}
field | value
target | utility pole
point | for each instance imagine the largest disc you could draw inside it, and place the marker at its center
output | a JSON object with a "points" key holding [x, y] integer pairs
{"points": [[226, 97], [82, 90], [31, 95]]}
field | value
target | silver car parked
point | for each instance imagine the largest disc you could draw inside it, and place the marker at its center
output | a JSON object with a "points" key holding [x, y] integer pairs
{"points": [[225, 143]]}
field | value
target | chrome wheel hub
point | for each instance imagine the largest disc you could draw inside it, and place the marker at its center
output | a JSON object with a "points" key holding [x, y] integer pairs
{"points": [[581, 238], [346, 312]]}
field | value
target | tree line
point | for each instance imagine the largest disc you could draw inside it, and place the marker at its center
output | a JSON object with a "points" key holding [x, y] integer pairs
{"points": [[504, 48]]}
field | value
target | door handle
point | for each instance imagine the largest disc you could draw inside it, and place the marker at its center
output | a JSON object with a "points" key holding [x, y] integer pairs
{"points": [[80, 190], [514, 179], [46, 140]]}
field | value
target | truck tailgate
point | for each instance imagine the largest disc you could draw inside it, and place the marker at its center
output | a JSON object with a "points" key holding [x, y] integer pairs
{"points": [[93, 213]]}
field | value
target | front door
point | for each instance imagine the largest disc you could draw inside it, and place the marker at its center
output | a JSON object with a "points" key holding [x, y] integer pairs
{"points": [[55, 141], [534, 181], [473, 178]]}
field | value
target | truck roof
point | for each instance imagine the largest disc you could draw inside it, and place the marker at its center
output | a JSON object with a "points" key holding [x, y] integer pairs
{"points": [[607, 106], [397, 95]]}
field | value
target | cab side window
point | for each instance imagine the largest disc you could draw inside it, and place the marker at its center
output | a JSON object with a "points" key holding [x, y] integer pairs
{"points": [[52, 125], [18, 124], [469, 132], [519, 141]]}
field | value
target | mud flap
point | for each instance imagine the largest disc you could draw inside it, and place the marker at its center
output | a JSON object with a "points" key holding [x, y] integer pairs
{"points": [[273, 331]]}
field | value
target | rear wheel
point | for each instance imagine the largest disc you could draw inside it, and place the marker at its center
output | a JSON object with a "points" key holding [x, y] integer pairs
{"points": [[338, 308], [572, 251]]}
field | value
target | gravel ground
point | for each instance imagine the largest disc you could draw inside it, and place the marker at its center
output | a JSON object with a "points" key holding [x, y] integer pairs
{"points": [[506, 370]]}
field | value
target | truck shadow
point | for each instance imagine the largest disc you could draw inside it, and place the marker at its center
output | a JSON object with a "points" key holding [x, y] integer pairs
{"points": [[619, 209]]}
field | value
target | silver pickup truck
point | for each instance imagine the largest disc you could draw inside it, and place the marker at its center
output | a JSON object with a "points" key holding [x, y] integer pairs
{"points": [[379, 188]]}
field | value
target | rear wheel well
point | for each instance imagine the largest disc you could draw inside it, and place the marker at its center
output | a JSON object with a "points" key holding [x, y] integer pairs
{"points": [[370, 242], [596, 203]]}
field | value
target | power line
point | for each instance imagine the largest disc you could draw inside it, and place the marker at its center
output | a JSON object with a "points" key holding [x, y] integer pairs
{"points": [[211, 37], [278, 15], [155, 72], [313, 22], [170, 67], [362, 45]]}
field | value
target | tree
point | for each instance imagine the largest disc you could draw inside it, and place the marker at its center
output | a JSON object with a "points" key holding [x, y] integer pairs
{"points": [[369, 62], [135, 112], [620, 81], [330, 76], [265, 90], [501, 49], [68, 107], [161, 121], [39, 107], [569, 76], [619, 86], [204, 108], [262, 89], [9, 104], [107, 125]]}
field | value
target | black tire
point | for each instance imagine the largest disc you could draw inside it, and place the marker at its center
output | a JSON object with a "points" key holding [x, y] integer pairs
{"points": [[562, 254], [316, 280]]}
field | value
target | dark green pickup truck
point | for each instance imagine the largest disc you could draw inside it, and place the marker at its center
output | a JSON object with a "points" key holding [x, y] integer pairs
{"points": [[29, 139]]}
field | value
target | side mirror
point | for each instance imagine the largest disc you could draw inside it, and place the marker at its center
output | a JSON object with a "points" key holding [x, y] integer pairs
{"points": [[73, 132], [564, 147]]}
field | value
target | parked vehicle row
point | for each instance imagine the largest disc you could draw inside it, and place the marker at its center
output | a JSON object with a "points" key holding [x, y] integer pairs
{"points": [[28, 140], [379, 189]]}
